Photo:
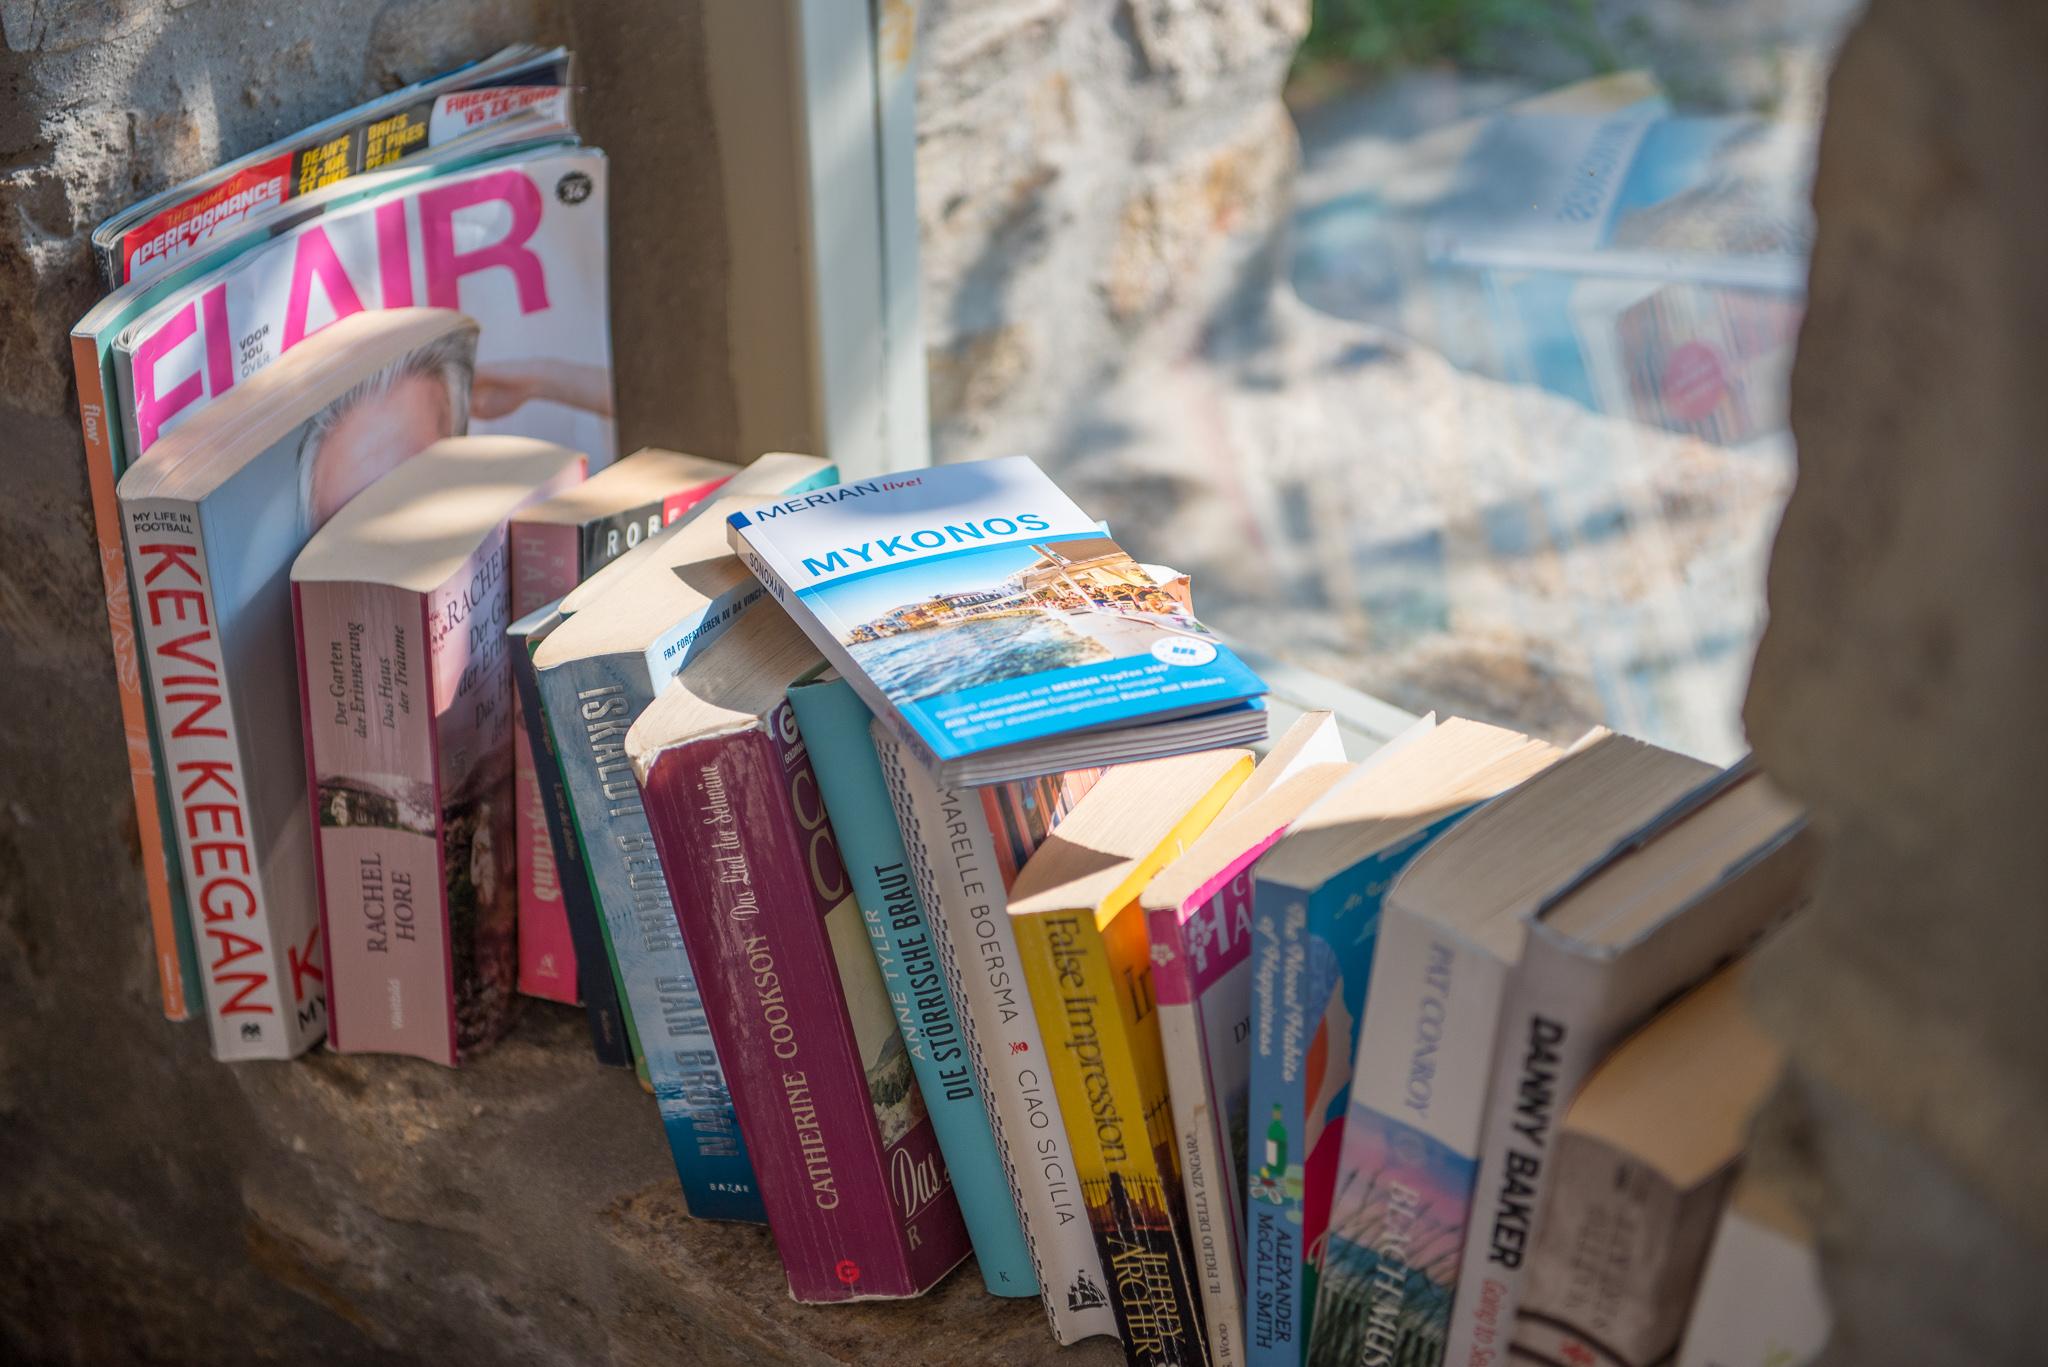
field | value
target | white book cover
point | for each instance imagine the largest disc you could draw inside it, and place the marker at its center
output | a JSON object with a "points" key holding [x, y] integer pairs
{"points": [[1761, 1302]]}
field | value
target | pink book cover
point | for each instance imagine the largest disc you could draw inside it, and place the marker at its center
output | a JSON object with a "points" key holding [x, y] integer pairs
{"points": [[545, 565], [858, 1197]]}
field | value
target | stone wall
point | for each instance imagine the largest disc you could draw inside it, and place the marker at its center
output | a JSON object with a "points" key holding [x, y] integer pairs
{"points": [[1898, 691]]}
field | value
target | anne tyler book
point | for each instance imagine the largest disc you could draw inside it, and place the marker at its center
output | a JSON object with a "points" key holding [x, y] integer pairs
{"points": [[994, 625], [848, 1163], [213, 520], [556, 545], [1086, 958], [402, 600]]}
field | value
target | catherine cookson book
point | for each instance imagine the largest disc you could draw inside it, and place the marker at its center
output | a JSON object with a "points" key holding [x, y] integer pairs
{"points": [[995, 626], [214, 519]]}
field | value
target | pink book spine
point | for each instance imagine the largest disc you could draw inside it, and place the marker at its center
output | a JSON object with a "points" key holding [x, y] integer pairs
{"points": [[377, 861], [546, 563]]}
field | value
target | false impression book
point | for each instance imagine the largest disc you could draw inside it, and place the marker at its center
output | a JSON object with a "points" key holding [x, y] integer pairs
{"points": [[995, 627]]}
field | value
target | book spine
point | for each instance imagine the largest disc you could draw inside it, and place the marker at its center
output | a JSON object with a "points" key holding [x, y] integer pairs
{"points": [[1092, 995], [170, 927], [264, 991], [836, 728], [545, 565], [749, 855], [589, 705], [1410, 1153], [1275, 1126], [595, 982], [957, 864], [366, 706], [1202, 979]]}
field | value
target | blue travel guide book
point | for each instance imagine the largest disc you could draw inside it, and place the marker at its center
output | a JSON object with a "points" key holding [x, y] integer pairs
{"points": [[835, 727], [994, 628]]}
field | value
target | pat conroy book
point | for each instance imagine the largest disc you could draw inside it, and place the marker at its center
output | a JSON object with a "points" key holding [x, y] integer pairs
{"points": [[633, 627], [1760, 1301], [1316, 902], [1694, 887], [402, 600], [994, 626], [1645, 1159], [1198, 911], [857, 1193], [1086, 957], [108, 456], [610, 1029], [213, 522], [965, 847], [156, 232], [836, 729], [1450, 937], [555, 546]]}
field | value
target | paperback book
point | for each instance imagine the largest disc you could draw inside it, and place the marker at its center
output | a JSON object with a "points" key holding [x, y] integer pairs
{"points": [[845, 1154], [965, 848], [1086, 960], [401, 601], [214, 521], [994, 626]]}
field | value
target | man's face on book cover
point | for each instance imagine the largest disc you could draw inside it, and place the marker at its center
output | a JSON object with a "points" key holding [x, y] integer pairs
{"points": [[373, 437]]}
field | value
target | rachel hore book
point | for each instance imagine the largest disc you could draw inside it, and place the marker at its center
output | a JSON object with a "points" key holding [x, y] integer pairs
{"points": [[633, 628], [213, 524], [995, 626], [1315, 925], [1450, 937], [1086, 959], [555, 546], [857, 1193], [1198, 911], [610, 1030], [402, 601], [966, 846], [1693, 888], [835, 726], [110, 450]]}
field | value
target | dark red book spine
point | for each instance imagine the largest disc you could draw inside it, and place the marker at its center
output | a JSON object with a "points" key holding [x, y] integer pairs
{"points": [[846, 1158]]}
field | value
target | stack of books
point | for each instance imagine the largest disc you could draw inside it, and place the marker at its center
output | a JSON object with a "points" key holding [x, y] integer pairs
{"points": [[918, 846]]}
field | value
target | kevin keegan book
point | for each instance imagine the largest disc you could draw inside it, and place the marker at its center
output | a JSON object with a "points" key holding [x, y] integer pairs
{"points": [[995, 626]]}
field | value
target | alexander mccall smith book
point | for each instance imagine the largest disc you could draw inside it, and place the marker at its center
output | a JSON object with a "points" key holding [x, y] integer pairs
{"points": [[994, 626]]}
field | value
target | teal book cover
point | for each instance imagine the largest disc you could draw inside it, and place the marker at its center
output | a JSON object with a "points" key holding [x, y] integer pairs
{"points": [[1312, 951], [835, 727]]}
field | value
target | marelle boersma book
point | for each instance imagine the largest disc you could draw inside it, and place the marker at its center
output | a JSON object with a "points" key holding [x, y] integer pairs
{"points": [[1199, 913], [635, 625], [1316, 905], [857, 1193], [1450, 938], [401, 601], [965, 847], [555, 546], [995, 626], [213, 523], [836, 729], [1086, 957], [1694, 887]]}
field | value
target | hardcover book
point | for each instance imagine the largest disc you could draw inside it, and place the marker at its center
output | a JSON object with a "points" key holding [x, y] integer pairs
{"points": [[994, 626], [1316, 903], [634, 626], [555, 546], [611, 1029], [1695, 887], [401, 601], [965, 848], [213, 522], [1082, 941], [1450, 938], [836, 730], [1198, 911], [845, 1154], [1645, 1158]]}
